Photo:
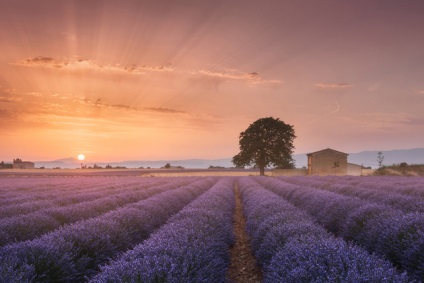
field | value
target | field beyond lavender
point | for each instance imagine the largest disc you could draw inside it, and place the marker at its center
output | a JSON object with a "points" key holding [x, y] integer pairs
{"points": [[181, 229]]}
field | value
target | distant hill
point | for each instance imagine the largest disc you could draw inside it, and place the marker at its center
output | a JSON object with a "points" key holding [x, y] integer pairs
{"points": [[366, 158], [369, 158], [187, 163]]}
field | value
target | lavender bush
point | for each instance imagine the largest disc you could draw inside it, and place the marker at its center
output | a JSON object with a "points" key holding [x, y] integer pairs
{"points": [[74, 252], [32, 195], [296, 249], [317, 259], [191, 247], [406, 186], [388, 195], [28, 226], [392, 233]]}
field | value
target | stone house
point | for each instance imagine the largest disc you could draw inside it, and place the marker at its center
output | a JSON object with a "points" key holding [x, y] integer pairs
{"points": [[327, 162]]}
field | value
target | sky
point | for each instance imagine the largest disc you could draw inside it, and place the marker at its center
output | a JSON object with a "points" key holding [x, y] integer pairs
{"points": [[180, 79]]}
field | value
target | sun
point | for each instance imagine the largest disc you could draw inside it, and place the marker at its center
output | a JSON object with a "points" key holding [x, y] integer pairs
{"points": [[81, 157]]}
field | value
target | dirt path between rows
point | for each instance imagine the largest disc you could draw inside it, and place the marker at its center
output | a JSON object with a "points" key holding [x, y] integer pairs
{"points": [[243, 266]]}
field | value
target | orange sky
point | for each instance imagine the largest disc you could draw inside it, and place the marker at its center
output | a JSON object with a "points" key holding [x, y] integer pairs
{"points": [[122, 80]]}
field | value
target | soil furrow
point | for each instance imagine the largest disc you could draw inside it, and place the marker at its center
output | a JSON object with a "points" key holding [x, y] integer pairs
{"points": [[243, 267]]}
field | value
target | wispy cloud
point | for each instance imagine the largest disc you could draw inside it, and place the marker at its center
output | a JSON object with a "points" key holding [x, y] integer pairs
{"points": [[99, 102], [334, 86], [8, 95], [331, 111], [73, 64], [163, 110], [85, 64], [43, 62], [252, 78], [9, 99], [388, 121], [421, 91]]}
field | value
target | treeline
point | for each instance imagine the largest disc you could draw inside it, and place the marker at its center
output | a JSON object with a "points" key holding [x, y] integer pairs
{"points": [[6, 165], [95, 166]]}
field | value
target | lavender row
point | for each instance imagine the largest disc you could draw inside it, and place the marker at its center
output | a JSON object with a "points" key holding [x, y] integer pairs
{"points": [[396, 200], [29, 226], [31, 201], [407, 186], [192, 247], [30, 189], [392, 233], [340, 185], [291, 247], [34, 206], [396, 184], [57, 196], [74, 252], [38, 189]]}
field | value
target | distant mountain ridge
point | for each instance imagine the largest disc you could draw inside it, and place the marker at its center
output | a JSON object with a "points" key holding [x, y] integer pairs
{"points": [[369, 158], [365, 158]]}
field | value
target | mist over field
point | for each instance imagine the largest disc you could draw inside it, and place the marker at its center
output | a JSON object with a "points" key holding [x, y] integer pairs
{"points": [[366, 158]]}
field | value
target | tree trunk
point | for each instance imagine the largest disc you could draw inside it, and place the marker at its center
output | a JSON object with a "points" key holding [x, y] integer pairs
{"points": [[262, 170]]}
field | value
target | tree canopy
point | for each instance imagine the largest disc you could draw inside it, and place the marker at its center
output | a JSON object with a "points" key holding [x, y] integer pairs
{"points": [[267, 141]]}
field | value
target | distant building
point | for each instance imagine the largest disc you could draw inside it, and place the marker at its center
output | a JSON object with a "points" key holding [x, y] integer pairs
{"points": [[19, 164], [327, 162]]}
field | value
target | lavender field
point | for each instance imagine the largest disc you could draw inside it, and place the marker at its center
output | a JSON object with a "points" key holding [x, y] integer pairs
{"points": [[181, 229]]}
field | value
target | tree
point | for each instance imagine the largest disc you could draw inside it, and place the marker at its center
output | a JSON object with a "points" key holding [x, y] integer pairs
{"points": [[267, 141], [380, 159]]}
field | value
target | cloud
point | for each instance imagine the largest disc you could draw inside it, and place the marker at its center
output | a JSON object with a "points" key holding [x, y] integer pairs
{"points": [[251, 78], [389, 121], [421, 91], [331, 111], [205, 76], [9, 99], [8, 95], [142, 69], [334, 86], [43, 62], [100, 103], [57, 112], [85, 64], [164, 110]]}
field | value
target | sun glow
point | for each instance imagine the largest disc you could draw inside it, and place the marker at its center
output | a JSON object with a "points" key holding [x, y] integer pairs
{"points": [[81, 157]]}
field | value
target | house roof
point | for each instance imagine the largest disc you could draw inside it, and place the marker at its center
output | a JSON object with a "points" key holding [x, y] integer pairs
{"points": [[327, 149]]}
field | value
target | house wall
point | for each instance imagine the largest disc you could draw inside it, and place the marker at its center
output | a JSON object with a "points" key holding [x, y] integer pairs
{"points": [[328, 162], [354, 169]]}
